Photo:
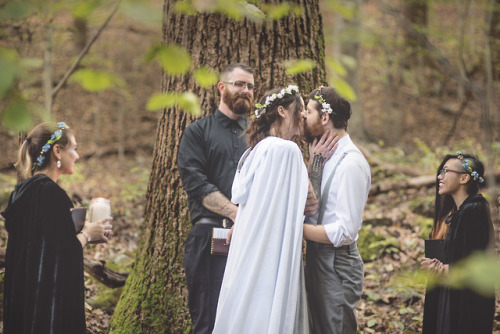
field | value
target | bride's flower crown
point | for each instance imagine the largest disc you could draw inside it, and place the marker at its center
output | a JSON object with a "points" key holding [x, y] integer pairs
{"points": [[261, 108]]}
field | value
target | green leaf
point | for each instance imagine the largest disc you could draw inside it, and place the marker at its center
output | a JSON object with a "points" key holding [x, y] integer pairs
{"points": [[370, 323], [348, 61], [96, 80], [185, 7], [336, 67], [142, 11], [298, 66], [31, 63], [174, 59], [206, 77], [83, 9], [160, 101], [16, 10], [343, 10], [190, 103], [277, 12], [343, 88], [16, 116], [186, 101], [9, 69]]}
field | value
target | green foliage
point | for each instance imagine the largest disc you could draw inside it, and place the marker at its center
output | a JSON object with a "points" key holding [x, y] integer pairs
{"points": [[96, 80], [132, 191], [140, 10], [206, 77], [343, 88], [297, 66], [16, 116], [276, 12], [234, 9], [15, 10], [372, 244], [105, 298], [186, 101], [346, 11], [84, 9], [9, 67], [174, 59], [425, 226]]}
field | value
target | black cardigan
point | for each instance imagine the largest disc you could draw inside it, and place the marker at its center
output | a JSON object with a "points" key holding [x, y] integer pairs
{"points": [[464, 311], [44, 286]]}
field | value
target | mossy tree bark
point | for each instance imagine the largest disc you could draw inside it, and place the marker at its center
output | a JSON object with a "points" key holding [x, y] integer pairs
{"points": [[154, 299]]}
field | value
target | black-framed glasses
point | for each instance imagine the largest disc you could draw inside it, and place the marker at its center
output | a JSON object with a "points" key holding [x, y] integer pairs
{"points": [[241, 85], [443, 171]]}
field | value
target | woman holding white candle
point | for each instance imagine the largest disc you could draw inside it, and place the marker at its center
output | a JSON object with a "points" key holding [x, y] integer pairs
{"points": [[44, 287]]}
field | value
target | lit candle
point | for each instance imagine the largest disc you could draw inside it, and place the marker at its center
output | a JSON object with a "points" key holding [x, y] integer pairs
{"points": [[100, 208]]}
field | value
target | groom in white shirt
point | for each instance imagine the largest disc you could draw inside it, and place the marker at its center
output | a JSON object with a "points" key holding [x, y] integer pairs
{"points": [[334, 269]]}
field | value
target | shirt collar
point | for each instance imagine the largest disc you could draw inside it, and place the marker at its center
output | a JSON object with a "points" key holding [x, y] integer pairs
{"points": [[227, 122]]}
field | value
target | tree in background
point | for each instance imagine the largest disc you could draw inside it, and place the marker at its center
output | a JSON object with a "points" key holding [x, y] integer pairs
{"points": [[154, 297]]}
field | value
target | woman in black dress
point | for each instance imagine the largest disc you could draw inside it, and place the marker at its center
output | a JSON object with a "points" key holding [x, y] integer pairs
{"points": [[463, 220], [44, 287]]}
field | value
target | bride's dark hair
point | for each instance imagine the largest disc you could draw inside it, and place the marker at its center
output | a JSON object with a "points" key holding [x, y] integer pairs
{"points": [[260, 126]]}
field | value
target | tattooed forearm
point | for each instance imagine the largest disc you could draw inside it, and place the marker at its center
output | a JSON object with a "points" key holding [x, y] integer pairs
{"points": [[316, 174], [312, 203], [220, 204]]}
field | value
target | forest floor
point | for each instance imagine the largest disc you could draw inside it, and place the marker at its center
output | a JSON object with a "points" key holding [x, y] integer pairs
{"points": [[395, 224]]}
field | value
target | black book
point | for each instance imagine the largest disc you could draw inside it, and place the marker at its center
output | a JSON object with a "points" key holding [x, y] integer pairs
{"points": [[434, 249]]}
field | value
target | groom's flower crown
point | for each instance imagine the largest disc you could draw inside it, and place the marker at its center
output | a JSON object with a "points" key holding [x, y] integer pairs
{"points": [[261, 108], [325, 107]]}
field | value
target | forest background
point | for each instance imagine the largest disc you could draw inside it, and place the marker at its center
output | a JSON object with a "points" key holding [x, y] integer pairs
{"points": [[423, 77]]}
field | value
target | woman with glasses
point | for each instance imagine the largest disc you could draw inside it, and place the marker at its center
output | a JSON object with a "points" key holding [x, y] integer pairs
{"points": [[463, 221]]}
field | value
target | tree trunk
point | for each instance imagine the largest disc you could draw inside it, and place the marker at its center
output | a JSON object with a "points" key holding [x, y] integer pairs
{"points": [[154, 299], [416, 12], [79, 34], [494, 37]]}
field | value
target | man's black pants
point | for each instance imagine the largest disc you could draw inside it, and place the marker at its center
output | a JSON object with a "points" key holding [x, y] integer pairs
{"points": [[204, 273]]}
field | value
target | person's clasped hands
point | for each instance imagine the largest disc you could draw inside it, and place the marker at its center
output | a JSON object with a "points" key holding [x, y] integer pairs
{"points": [[433, 265], [98, 232]]}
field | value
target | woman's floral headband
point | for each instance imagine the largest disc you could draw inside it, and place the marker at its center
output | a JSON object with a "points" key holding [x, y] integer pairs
{"points": [[45, 148], [261, 108], [325, 107], [468, 168]]}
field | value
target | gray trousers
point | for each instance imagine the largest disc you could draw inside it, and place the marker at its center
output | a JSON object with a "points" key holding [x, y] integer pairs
{"points": [[334, 283]]}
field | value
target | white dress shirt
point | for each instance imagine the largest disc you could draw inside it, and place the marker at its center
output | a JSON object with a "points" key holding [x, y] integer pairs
{"points": [[347, 196]]}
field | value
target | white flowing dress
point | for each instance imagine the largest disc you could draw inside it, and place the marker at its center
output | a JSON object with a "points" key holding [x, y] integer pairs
{"points": [[261, 289]]}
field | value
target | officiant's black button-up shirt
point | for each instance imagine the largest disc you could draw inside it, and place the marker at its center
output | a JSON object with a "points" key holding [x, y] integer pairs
{"points": [[209, 152]]}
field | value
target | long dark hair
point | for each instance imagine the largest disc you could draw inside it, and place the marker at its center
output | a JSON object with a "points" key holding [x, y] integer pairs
{"points": [[259, 127], [444, 204]]}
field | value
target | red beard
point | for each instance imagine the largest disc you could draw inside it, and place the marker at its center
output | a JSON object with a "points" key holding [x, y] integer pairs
{"points": [[313, 131], [239, 103]]}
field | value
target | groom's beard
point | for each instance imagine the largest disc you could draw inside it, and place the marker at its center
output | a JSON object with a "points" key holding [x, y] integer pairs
{"points": [[313, 131], [239, 103]]}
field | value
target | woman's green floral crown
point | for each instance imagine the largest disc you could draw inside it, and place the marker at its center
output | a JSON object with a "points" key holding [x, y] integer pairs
{"points": [[261, 108], [325, 107], [45, 148], [468, 168]]}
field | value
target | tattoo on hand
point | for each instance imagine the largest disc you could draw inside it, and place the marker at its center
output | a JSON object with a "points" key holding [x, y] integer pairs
{"points": [[317, 174]]}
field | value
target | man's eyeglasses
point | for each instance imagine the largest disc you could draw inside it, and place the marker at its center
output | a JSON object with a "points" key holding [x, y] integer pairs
{"points": [[443, 171], [241, 85]]}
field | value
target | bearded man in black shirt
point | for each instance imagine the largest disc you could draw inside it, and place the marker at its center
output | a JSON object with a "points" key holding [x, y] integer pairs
{"points": [[209, 152]]}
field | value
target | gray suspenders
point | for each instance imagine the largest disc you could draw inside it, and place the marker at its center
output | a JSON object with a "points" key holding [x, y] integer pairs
{"points": [[326, 189]]}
